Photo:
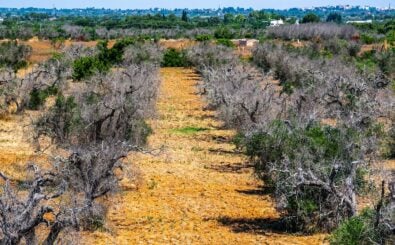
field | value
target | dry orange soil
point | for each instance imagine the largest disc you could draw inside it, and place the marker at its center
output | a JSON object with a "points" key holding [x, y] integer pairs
{"points": [[198, 190]]}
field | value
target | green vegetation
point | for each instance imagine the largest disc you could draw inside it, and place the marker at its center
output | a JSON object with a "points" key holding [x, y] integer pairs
{"points": [[358, 230], [203, 37], [38, 97], [226, 43], [310, 18], [85, 67], [334, 17], [175, 58]]}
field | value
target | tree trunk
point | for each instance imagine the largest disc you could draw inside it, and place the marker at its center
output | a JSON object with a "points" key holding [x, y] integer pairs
{"points": [[31, 238], [53, 234]]}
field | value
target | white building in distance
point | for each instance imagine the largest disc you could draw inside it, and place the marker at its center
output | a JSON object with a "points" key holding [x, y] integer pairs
{"points": [[276, 22]]}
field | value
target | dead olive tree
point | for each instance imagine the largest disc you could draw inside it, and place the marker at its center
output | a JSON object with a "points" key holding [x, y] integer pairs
{"points": [[209, 56], [98, 125], [14, 92], [310, 31], [316, 170], [23, 211], [14, 55], [240, 96], [143, 53], [317, 182]]}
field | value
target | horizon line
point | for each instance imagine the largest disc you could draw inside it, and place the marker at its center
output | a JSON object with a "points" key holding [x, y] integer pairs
{"points": [[203, 8]]}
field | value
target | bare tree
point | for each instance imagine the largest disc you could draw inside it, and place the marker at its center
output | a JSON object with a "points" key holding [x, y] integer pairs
{"points": [[310, 31], [143, 53], [21, 214], [210, 55]]}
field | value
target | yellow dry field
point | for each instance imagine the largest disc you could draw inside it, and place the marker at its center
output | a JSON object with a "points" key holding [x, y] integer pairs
{"points": [[16, 150], [176, 43], [197, 190]]}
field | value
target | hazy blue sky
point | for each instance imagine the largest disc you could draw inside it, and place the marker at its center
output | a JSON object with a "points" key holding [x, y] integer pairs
{"points": [[131, 4]]}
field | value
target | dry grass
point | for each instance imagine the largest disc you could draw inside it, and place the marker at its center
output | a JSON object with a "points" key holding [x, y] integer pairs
{"points": [[176, 43], [16, 150], [198, 191]]}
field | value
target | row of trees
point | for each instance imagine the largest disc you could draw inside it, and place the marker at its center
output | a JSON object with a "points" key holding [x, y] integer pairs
{"points": [[316, 168], [310, 31], [93, 124]]}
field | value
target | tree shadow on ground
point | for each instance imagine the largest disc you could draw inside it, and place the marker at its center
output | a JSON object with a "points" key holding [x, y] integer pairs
{"points": [[205, 117], [223, 152], [259, 226], [261, 191], [231, 167]]}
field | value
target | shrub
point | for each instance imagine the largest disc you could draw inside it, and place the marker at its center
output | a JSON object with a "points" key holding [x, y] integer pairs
{"points": [[175, 58], [38, 97], [203, 37], [310, 18], [334, 17], [356, 230], [226, 43], [223, 33], [113, 55], [364, 229], [367, 39], [391, 37], [87, 66]]}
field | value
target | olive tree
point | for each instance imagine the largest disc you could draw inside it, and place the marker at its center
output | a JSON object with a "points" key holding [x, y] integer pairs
{"points": [[316, 168]]}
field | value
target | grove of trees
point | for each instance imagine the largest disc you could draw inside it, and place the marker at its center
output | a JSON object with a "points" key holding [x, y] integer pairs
{"points": [[316, 119], [315, 137], [91, 129]]}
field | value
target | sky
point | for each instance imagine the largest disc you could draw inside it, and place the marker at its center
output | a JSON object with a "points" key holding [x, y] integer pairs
{"points": [[171, 4]]}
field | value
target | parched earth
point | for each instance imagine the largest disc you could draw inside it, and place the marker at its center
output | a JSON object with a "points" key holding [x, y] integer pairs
{"points": [[197, 190]]}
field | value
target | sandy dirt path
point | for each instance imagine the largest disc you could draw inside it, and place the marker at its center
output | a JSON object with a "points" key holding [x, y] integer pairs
{"points": [[198, 191]]}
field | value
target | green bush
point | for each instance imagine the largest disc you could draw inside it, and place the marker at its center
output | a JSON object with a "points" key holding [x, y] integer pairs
{"points": [[226, 42], [367, 39], [87, 66], [334, 17], [203, 38], [38, 97], [174, 58], [223, 33], [357, 230], [113, 55], [310, 18], [391, 37]]}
